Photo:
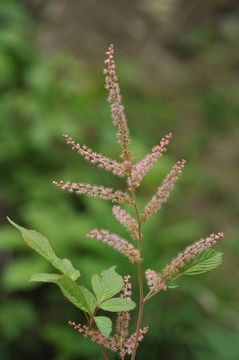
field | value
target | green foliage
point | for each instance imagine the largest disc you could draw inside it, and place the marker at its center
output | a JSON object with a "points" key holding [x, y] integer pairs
{"points": [[107, 285], [69, 288], [117, 304], [41, 245], [90, 299], [104, 324], [205, 261]]}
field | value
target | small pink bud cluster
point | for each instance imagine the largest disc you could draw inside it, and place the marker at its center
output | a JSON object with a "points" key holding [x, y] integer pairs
{"points": [[127, 288], [189, 254], [163, 191], [119, 244], [117, 109], [96, 336], [126, 220], [102, 192], [155, 281], [140, 169], [100, 160]]}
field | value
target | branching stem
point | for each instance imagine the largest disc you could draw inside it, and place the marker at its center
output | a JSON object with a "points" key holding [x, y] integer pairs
{"points": [[140, 274]]}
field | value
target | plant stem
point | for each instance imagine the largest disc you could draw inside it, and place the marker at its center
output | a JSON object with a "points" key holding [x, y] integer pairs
{"points": [[140, 278], [105, 357], [139, 266]]}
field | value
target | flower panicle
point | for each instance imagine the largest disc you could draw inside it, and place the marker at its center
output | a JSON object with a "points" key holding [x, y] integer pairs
{"points": [[163, 191], [102, 192], [103, 162], [114, 98], [126, 220], [154, 281], [189, 254], [140, 169], [96, 336], [119, 244]]}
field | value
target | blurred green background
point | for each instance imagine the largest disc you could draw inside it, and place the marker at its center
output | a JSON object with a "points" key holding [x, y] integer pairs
{"points": [[178, 68]]}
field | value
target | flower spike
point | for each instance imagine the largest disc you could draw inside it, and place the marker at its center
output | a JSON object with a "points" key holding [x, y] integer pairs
{"points": [[129, 344], [117, 109], [126, 220], [163, 191], [189, 254], [140, 169], [123, 318], [96, 336], [99, 160], [119, 244], [102, 192]]}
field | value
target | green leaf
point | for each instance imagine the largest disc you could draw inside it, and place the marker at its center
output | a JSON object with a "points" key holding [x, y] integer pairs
{"points": [[172, 285], [69, 288], [89, 298], [44, 277], [104, 324], [41, 245], [107, 285], [203, 262], [69, 269], [118, 304]]}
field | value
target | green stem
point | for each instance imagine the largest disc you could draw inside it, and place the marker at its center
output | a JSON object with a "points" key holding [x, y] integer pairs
{"points": [[140, 278], [139, 266]]}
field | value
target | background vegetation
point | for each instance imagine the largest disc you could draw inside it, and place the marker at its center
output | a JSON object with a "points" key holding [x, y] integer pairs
{"points": [[183, 80]]}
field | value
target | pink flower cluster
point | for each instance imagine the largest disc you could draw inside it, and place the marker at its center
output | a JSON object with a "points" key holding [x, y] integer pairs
{"points": [[140, 169], [114, 98], [126, 220], [189, 254], [155, 281], [100, 160], [129, 344], [119, 244], [96, 336], [112, 342], [163, 191], [102, 192]]}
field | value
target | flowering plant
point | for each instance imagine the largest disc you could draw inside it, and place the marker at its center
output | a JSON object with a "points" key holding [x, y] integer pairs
{"points": [[110, 291]]}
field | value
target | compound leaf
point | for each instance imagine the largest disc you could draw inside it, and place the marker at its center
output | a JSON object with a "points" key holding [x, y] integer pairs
{"points": [[107, 285]]}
